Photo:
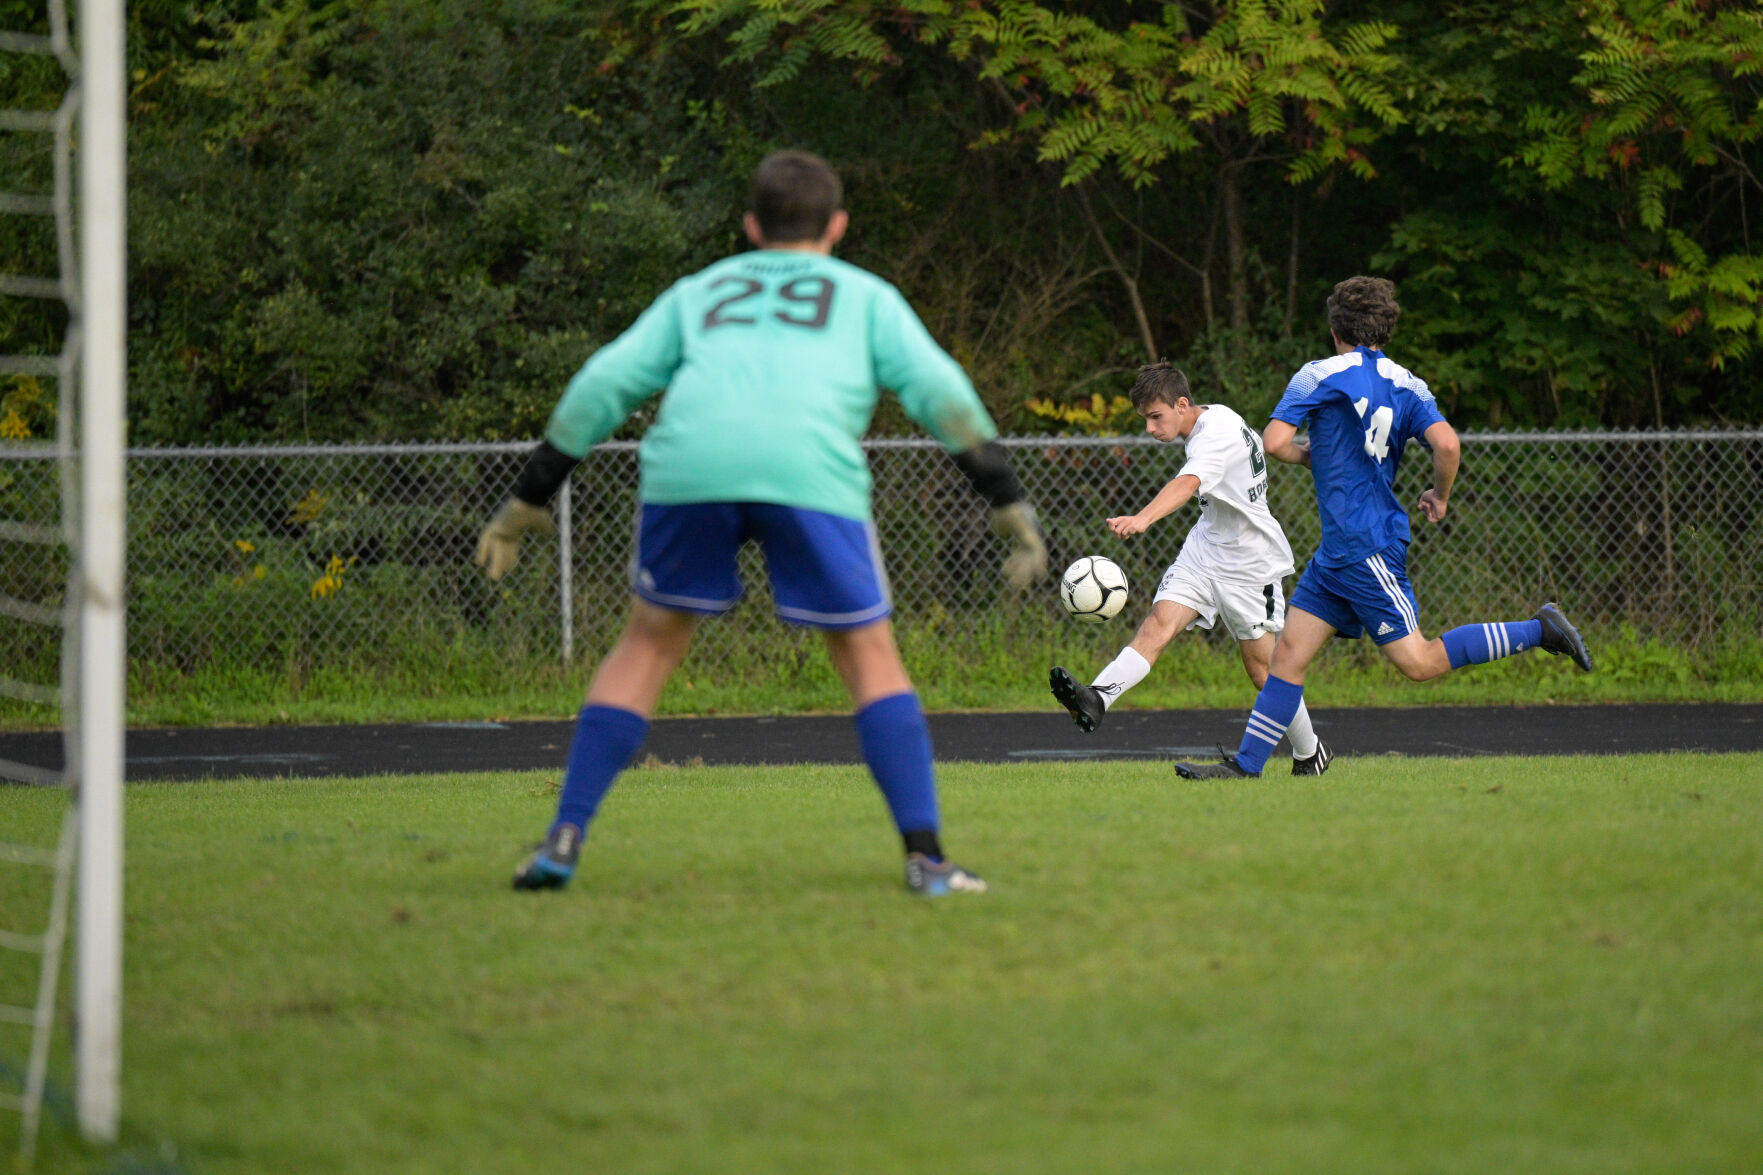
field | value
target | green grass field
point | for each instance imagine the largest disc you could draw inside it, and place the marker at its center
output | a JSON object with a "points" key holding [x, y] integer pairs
{"points": [[1527, 965]]}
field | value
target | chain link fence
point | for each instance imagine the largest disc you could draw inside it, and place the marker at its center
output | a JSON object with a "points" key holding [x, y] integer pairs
{"points": [[307, 557]]}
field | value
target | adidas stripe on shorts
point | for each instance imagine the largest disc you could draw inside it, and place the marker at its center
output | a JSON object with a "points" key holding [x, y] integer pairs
{"points": [[1371, 597]]}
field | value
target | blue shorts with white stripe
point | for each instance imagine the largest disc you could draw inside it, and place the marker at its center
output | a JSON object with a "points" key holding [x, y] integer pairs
{"points": [[1372, 596]]}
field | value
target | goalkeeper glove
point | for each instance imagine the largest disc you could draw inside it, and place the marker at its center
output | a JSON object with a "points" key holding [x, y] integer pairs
{"points": [[498, 548], [1027, 560]]}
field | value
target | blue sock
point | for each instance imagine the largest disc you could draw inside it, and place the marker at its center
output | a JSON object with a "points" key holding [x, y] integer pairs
{"points": [[1477, 644], [896, 744], [606, 740], [1274, 710]]}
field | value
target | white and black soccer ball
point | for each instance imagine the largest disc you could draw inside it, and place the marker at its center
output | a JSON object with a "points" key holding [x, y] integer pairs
{"points": [[1093, 589]]}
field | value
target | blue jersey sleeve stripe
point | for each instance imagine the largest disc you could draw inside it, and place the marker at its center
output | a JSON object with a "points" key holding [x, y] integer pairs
{"points": [[1295, 406], [1301, 396]]}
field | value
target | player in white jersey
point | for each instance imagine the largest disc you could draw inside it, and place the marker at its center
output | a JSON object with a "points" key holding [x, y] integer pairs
{"points": [[1229, 568]]}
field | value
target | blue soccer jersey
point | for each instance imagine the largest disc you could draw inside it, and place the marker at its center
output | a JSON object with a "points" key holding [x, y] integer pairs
{"points": [[1361, 409]]}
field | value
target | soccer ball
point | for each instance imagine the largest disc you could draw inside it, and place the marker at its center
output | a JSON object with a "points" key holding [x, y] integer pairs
{"points": [[1093, 589]]}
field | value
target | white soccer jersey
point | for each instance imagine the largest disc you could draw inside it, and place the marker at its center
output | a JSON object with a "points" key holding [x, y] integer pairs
{"points": [[1237, 537]]}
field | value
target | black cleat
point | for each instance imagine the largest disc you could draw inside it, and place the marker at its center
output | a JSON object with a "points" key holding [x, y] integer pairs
{"points": [[1084, 702], [1561, 638], [1316, 764], [1225, 768]]}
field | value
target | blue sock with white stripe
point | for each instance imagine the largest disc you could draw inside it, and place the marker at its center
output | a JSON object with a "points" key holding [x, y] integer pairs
{"points": [[1274, 710], [606, 740], [896, 744], [1477, 644]]}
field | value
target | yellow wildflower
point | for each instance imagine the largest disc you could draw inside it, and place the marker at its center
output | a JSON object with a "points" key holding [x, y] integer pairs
{"points": [[308, 508], [331, 582], [1096, 415]]}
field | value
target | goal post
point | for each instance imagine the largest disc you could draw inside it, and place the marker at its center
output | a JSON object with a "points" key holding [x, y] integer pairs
{"points": [[101, 319]]}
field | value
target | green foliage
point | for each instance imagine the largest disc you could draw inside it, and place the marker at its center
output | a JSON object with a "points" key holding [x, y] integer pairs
{"points": [[1090, 93], [1248, 367], [1619, 118], [1665, 101], [422, 199], [28, 326], [365, 219], [1660, 85], [1498, 306], [1539, 272], [1725, 293], [294, 670]]}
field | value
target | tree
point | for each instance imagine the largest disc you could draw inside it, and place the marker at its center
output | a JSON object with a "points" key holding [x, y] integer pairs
{"points": [[1668, 98], [392, 220], [367, 218], [1244, 84], [1576, 248]]}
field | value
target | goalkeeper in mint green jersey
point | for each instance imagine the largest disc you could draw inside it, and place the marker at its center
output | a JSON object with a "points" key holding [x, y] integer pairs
{"points": [[769, 365]]}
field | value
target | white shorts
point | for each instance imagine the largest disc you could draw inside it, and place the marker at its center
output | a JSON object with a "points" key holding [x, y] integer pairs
{"points": [[1249, 609]]}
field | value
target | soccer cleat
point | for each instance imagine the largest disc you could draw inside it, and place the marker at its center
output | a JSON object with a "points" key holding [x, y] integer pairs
{"points": [[934, 879], [1225, 768], [1084, 701], [1561, 638], [1316, 764], [553, 864]]}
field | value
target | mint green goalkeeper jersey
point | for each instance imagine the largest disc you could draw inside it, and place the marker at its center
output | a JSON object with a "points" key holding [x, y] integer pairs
{"points": [[770, 364]]}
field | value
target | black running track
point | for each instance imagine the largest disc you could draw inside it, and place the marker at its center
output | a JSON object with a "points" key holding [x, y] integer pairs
{"points": [[313, 751]]}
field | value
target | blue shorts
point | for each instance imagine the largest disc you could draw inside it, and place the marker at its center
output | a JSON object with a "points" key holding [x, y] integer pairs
{"points": [[1370, 596], [826, 570]]}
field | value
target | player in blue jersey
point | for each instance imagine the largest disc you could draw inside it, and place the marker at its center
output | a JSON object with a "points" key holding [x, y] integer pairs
{"points": [[1362, 409], [769, 364]]}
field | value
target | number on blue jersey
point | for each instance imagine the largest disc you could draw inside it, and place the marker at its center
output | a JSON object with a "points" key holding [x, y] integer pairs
{"points": [[1377, 437]]}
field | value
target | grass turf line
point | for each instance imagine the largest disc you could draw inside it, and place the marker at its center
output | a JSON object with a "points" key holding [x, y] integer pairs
{"points": [[995, 668], [1409, 964]]}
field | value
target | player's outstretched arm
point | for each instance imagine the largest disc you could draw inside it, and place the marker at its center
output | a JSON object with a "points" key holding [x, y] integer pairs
{"points": [[1169, 499], [988, 469], [498, 548], [1280, 441], [1447, 455]]}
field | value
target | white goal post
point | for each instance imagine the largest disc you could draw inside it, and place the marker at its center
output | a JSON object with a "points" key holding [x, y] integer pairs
{"points": [[102, 320]]}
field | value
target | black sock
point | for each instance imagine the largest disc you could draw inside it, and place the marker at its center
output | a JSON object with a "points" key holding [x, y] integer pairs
{"points": [[924, 841]]}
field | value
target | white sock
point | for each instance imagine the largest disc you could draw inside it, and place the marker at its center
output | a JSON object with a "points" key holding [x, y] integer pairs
{"points": [[1302, 734], [1124, 672]]}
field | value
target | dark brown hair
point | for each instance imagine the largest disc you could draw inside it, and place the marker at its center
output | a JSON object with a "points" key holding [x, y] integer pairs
{"points": [[1160, 382], [794, 196], [1362, 311]]}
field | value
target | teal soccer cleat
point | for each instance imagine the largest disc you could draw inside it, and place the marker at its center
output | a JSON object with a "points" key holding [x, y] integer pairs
{"points": [[553, 864], [935, 879]]}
